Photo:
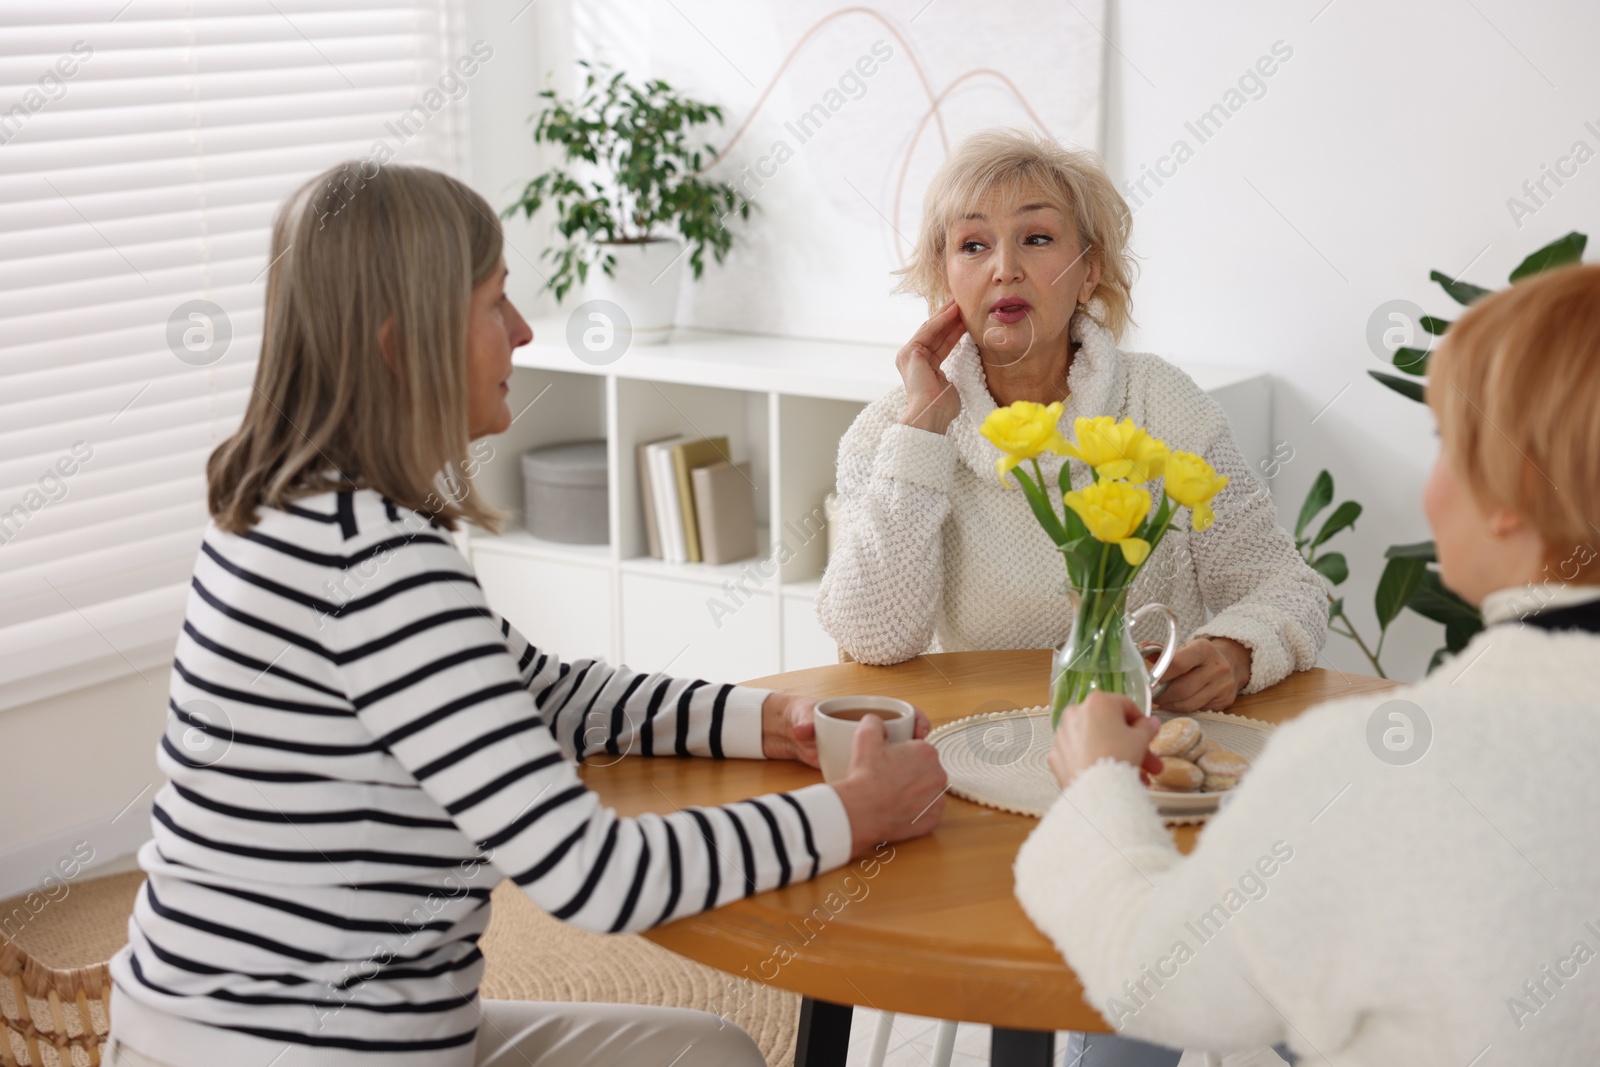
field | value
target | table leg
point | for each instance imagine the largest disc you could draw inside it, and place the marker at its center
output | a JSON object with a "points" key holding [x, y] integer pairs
{"points": [[824, 1038], [1021, 1048]]}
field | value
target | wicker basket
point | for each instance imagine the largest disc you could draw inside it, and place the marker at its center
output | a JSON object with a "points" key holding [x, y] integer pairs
{"points": [[55, 987]]}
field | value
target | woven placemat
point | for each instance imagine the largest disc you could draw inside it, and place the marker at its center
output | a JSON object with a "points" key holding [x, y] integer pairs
{"points": [[998, 758], [531, 956]]}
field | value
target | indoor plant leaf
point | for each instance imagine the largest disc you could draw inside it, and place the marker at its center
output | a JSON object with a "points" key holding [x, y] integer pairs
{"points": [[1412, 360], [1460, 292], [1333, 567], [1404, 386], [1318, 497], [1400, 578], [1557, 253], [1344, 515], [1422, 550]]}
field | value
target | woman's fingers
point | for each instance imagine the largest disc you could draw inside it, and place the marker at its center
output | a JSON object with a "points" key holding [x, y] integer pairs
{"points": [[1185, 677], [931, 331], [931, 401], [1201, 678]]}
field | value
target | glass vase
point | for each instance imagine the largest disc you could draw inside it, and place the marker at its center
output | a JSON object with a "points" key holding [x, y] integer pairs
{"points": [[1101, 655]]}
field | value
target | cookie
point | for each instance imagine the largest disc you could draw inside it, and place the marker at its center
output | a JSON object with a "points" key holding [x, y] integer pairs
{"points": [[1177, 776], [1218, 783], [1220, 761], [1201, 747], [1177, 736]]}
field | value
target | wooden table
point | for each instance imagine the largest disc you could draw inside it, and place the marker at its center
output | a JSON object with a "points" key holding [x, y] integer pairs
{"points": [[936, 929]]}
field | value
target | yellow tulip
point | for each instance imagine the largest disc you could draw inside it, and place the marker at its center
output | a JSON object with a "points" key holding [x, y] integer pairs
{"points": [[1118, 449], [1192, 482], [1112, 511], [1023, 431]]}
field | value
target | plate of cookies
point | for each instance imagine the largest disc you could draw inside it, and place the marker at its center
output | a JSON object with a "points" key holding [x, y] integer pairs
{"points": [[1000, 759], [1203, 755]]}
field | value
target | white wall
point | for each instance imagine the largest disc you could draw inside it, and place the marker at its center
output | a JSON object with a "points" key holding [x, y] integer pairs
{"points": [[1390, 141], [79, 768]]}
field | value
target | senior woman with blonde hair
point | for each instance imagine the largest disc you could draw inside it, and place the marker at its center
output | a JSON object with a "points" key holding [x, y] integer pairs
{"points": [[1023, 259]]}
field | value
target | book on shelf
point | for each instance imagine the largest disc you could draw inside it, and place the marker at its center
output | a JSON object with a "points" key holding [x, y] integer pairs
{"points": [[686, 457], [683, 509], [668, 506], [647, 498], [725, 513]]}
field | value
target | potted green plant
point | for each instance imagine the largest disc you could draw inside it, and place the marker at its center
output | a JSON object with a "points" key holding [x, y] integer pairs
{"points": [[629, 195]]}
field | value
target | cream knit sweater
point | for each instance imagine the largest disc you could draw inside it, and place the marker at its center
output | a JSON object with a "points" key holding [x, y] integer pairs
{"points": [[1444, 911], [931, 551]]}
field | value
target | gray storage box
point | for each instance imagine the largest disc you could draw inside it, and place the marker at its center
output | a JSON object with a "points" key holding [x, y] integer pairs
{"points": [[565, 487]]}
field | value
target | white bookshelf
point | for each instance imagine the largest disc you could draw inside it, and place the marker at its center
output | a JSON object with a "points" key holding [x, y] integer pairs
{"points": [[783, 403]]}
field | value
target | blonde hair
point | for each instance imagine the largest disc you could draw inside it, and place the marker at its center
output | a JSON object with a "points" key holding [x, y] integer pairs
{"points": [[1007, 163], [1515, 386], [350, 252]]}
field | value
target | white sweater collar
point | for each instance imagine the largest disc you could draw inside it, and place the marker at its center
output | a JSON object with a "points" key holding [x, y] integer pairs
{"points": [[1097, 385], [1520, 601]]}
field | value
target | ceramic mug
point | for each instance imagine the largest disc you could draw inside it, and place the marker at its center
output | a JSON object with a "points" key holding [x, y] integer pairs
{"points": [[836, 721]]}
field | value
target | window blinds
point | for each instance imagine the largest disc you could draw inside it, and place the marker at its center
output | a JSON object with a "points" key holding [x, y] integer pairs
{"points": [[144, 147]]}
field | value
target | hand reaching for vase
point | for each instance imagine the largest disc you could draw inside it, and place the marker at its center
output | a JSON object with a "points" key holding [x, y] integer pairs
{"points": [[1206, 674]]}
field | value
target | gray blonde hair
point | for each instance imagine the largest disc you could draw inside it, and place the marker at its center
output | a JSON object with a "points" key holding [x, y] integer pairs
{"points": [[1007, 162], [350, 252]]}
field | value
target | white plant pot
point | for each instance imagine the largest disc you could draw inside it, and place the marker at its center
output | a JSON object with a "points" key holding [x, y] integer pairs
{"points": [[648, 278]]}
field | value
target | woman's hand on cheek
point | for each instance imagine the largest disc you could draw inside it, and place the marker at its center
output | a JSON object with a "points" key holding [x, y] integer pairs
{"points": [[1206, 674], [1105, 724], [931, 401]]}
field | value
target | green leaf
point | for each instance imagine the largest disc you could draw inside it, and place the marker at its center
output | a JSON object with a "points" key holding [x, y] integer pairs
{"points": [[1458, 632], [1557, 253], [1422, 550], [1076, 530], [1404, 386], [1042, 510], [1439, 656], [1332, 567], [1399, 580], [1335, 609], [1344, 515], [1412, 360], [1437, 327], [1319, 497], [1433, 601], [1461, 292]]}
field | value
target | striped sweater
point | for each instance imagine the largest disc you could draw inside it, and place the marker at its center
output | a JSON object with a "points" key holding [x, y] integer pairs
{"points": [[357, 750]]}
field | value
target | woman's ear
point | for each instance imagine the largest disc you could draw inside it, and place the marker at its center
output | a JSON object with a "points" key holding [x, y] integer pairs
{"points": [[1501, 523], [1091, 281]]}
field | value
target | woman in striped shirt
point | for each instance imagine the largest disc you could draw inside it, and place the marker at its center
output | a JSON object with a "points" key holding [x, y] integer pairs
{"points": [[358, 748]]}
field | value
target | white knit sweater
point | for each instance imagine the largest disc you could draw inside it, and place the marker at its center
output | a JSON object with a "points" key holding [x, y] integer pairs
{"points": [[1362, 911], [931, 551]]}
